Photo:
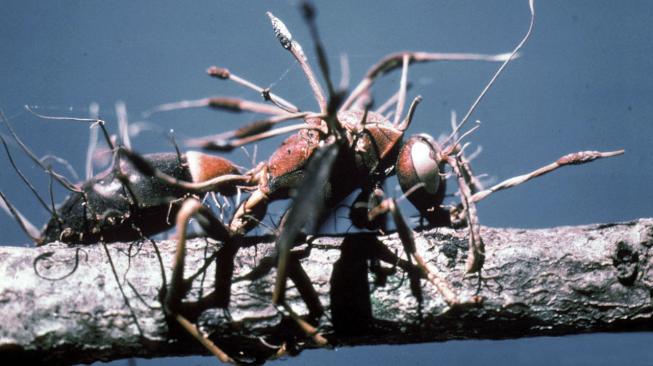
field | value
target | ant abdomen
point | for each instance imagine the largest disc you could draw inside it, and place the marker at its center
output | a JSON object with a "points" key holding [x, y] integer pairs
{"points": [[120, 204], [125, 204]]}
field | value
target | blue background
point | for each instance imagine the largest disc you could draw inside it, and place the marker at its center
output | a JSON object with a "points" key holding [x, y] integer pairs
{"points": [[583, 82]]}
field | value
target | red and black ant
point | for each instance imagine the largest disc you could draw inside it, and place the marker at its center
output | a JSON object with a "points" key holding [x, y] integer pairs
{"points": [[344, 148]]}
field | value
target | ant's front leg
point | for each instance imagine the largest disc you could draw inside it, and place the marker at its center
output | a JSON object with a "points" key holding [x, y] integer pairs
{"points": [[407, 238], [178, 286], [253, 209]]}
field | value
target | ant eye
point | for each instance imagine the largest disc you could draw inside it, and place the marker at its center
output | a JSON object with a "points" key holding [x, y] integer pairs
{"points": [[418, 164]]}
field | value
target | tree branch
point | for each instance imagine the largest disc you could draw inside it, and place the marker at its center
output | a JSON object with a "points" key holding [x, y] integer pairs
{"points": [[535, 282]]}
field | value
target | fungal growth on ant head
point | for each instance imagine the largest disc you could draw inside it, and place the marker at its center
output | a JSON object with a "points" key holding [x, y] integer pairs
{"points": [[345, 147]]}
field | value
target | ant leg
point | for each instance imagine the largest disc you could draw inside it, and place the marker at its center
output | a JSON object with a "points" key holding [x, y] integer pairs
{"points": [[394, 61], [316, 175], [407, 238], [178, 288], [476, 255], [300, 214], [249, 213], [308, 294], [304, 285], [466, 169]]}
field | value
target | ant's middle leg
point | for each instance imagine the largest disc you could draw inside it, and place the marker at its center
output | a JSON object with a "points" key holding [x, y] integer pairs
{"points": [[407, 238]]}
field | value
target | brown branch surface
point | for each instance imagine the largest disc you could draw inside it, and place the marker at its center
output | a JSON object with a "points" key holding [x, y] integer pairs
{"points": [[535, 282]]}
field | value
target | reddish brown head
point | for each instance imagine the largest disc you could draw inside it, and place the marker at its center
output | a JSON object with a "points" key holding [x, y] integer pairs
{"points": [[419, 164]]}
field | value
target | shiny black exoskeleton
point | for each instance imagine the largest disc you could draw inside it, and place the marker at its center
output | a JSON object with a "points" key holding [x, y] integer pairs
{"points": [[120, 204]]}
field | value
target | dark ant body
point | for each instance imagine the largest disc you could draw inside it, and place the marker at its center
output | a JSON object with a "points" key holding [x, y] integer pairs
{"points": [[122, 203]]}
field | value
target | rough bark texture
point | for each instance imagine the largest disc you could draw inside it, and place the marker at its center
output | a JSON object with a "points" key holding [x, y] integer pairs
{"points": [[535, 282]]}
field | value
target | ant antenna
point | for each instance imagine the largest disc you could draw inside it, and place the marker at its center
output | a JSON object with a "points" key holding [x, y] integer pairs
{"points": [[393, 61], [105, 133], [497, 73], [51, 192]]}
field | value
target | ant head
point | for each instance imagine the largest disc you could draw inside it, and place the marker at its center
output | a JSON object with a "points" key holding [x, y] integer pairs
{"points": [[420, 163]]}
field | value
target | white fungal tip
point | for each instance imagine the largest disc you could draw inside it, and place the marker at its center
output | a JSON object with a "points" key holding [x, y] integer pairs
{"points": [[506, 56], [281, 31]]}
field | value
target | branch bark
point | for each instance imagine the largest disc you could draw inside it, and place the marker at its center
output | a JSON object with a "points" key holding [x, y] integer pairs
{"points": [[535, 282]]}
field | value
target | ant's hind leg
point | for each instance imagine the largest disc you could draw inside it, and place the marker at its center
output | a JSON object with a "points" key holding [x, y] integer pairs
{"points": [[178, 286]]}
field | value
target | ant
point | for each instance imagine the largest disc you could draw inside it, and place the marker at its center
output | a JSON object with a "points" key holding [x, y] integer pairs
{"points": [[344, 148]]}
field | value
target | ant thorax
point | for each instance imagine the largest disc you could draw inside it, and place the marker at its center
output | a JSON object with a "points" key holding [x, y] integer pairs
{"points": [[375, 140]]}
